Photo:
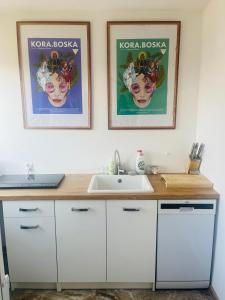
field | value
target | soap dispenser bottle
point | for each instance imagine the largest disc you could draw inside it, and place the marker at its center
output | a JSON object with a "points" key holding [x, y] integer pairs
{"points": [[140, 163]]}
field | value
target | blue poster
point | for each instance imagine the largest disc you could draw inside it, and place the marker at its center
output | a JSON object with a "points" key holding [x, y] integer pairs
{"points": [[55, 71]]}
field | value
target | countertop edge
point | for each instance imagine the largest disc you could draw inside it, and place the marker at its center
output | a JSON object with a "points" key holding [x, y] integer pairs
{"points": [[74, 187]]}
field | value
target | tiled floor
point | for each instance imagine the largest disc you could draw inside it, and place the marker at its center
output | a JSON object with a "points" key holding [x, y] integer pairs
{"points": [[111, 295]]}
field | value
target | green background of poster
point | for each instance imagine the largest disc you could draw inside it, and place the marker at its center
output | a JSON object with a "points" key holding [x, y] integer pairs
{"points": [[125, 103]]}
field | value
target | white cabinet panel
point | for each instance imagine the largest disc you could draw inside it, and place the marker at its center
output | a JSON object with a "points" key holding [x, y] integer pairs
{"points": [[81, 240], [17, 209], [31, 249], [131, 240]]}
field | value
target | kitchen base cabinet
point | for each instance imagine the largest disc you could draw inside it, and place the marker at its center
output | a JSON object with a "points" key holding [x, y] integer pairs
{"points": [[131, 240], [81, 240], [109, 243], [31, 249], [30, 241]]}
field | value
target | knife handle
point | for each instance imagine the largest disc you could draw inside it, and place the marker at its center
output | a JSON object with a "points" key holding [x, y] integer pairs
{"points": [[192, 151], [200, 151], [195, 151]]}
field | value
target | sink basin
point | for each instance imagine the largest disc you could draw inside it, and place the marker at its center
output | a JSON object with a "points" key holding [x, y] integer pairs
{"points": [[119, 184]]}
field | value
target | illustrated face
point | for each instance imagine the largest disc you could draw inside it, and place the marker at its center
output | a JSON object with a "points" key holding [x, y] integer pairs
{"points": [[57, 89], [142, 90]]}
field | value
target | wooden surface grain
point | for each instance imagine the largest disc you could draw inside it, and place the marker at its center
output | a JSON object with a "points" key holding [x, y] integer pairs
{"points": [[75, 187], [186, 180]]}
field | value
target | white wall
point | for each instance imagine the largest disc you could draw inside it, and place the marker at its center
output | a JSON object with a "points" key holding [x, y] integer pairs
{"points": [[211, 121], [87, 151]]}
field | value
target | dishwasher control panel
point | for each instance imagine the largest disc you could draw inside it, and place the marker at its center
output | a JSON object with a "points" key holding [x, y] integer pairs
{"points": [[187, 206]]}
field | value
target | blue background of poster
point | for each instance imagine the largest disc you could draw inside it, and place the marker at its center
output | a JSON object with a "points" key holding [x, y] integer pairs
{"points": [[40, 102]]}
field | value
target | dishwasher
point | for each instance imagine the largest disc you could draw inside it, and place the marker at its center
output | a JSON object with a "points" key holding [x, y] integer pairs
{"points": [[184, 243]]}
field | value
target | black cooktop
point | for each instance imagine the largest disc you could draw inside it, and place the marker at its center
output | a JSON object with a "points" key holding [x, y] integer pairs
{"points": [[30, 181]]}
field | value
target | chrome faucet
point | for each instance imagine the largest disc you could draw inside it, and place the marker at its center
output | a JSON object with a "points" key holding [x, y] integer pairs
{"points": [[117, 162]]}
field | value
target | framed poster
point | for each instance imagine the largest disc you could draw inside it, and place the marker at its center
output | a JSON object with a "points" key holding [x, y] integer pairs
{"points": [[143, 60], [55, 74]]}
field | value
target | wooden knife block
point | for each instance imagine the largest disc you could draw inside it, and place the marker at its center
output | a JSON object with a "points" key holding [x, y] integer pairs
{"points": [[194, 166]]}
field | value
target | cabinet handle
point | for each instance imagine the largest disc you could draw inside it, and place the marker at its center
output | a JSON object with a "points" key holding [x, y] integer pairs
{"points": [[28, 209], [29, 227], [131, 209], [79, 209]]}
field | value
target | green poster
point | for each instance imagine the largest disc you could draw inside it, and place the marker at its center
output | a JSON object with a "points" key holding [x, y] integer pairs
{"points": [[142, 74]]}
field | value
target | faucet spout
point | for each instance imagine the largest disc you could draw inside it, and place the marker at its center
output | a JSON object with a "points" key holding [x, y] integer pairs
{"points": [[117, 163]]}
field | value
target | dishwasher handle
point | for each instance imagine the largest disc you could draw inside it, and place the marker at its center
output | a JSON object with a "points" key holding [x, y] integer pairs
{"points": [[186, 209]]}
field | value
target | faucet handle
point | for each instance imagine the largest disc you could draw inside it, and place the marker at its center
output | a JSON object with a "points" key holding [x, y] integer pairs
{"points": [[121, 172]]}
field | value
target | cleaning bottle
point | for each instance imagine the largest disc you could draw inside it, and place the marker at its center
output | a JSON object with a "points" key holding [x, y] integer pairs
{"points": [[111, 168], [140, 163]]}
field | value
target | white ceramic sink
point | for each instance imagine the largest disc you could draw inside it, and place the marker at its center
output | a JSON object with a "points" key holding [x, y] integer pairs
{"points": [[119, 184]]}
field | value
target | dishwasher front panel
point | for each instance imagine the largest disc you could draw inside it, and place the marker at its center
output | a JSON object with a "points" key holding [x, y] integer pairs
{"points": [[184, 244]]}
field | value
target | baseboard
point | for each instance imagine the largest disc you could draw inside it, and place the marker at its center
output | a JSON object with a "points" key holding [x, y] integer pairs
{"points": [[30, 285], [107, 285], [82, 285], [213, 293], [182, 285]]}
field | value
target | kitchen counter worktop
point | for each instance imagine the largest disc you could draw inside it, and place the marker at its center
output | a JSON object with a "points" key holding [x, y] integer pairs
{"points": [[75, 187]]}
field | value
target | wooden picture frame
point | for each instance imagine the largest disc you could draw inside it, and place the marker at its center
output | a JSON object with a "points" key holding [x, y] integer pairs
{"points": [[55, 74], [143, 61]]}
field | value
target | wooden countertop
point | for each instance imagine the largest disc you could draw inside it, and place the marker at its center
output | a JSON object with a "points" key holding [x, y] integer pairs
{"points": [[75, 187]]}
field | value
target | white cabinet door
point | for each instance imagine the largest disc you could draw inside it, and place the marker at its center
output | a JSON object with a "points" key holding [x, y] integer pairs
{"points": [[81, 241], [31, 249], [131, 240]]}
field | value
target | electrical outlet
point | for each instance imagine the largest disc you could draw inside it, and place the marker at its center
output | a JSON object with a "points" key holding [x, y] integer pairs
{"points": [[166, 153]]}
